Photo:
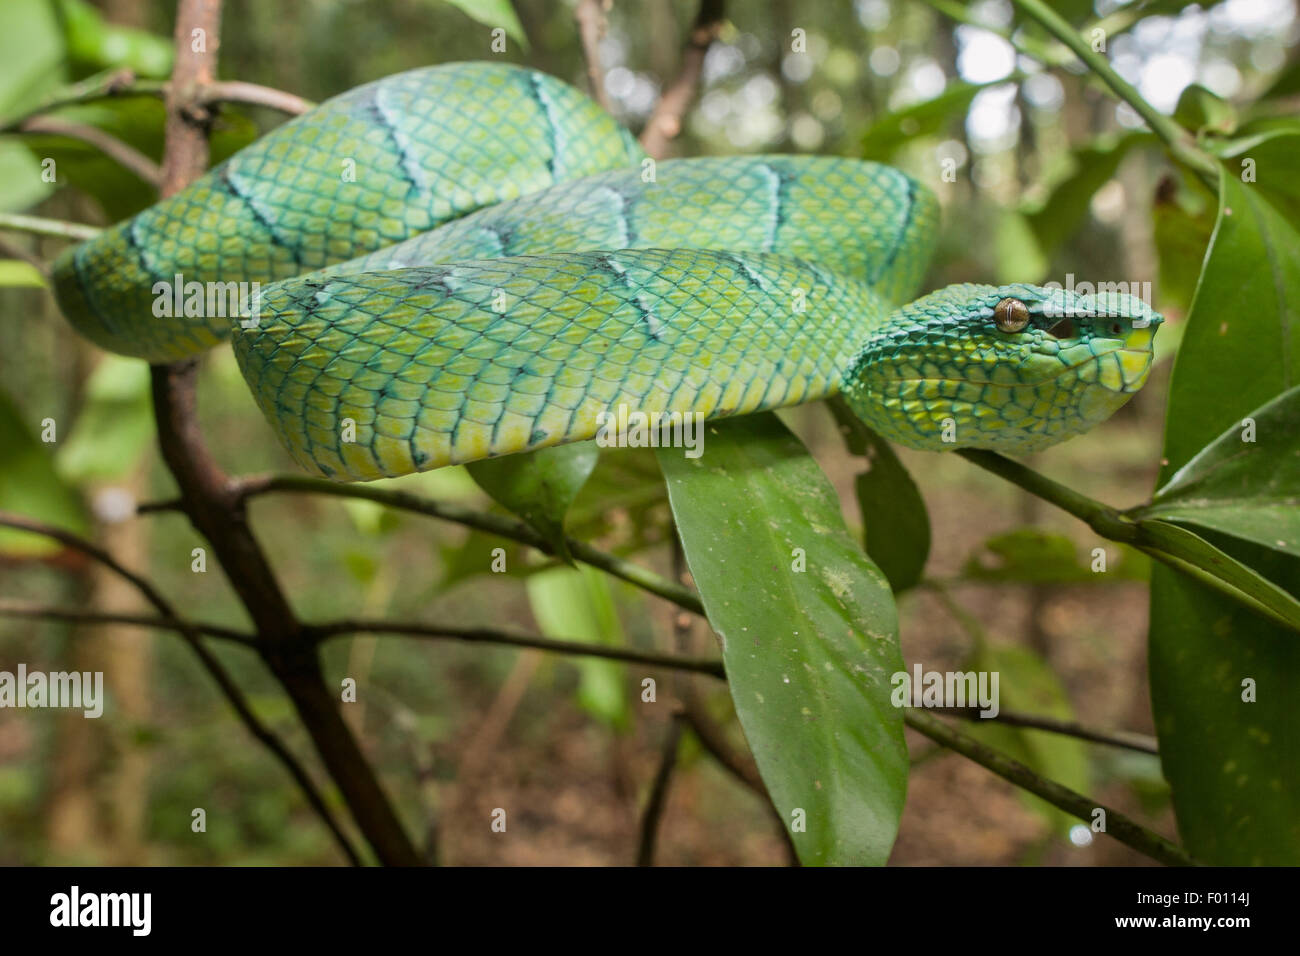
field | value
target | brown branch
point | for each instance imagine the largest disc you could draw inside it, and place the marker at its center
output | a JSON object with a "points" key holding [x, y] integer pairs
{"points": [[40, 611], [499, 525], [590, 15], [488, 635], [125, 155], [253, 94], [654, 808], [50, 228], [213, 666], [210, 501], [1068, 728], [665, 122], [1122, 828]]}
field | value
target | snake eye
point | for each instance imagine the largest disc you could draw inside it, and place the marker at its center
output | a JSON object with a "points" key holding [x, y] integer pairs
{"points": [[1011, 315]]}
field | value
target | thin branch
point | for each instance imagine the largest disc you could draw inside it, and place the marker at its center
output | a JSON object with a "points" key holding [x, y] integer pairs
{"points": [[11, 250], [590, 15], [1048, 56], [121, 82], [1163, 126], [1126, 739], [53, 228], [665, 122], [654, 808], [1179, 549], [488, 635], [124, 154], [254, 94], [214, 667], [1122, 828], [499, 525], [39, 611]]}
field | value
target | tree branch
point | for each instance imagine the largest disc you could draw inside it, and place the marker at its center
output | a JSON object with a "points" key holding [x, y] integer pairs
{"points": [[125, 155], [1068, 728], [1124, 829], [209, 500], [590, 15], [500, 525], [38, 611], [52, 228], [213, 666], [488, 635], [654, 808], [254, 94], [665, 121]]}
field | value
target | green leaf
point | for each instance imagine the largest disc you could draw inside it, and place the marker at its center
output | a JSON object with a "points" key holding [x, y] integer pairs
{"points": [[1247, 489], [1204, 113], [114, 427], [1036, 556], [29, 486], [1233, 766], [1058, 217], [929, 118], [16, 273], [896, 525], [493, 13], [1182, 221], [1241, 345], [32, 51], [539, 486], [809, 654], [576, 604], [95, 44]]}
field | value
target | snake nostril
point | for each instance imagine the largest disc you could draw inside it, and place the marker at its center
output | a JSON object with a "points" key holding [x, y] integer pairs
{"points": [[1065, 329]]}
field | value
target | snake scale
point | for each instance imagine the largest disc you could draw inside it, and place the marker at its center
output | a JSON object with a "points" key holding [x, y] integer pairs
{"points": [[473, 260]]}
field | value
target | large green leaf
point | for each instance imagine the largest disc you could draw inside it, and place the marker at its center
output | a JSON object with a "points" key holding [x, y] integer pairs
{"points": [[895, 524], [539, 486], [1233, 765], [1241, 345], [32, 51], [1247, 489], [30, 487], [1037, 556], [809, 653]]}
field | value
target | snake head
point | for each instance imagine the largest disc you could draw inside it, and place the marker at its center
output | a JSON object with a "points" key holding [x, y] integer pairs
{"points": [[1011, 368]]}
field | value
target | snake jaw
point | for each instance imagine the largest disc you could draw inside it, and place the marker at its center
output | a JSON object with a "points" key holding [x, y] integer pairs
{"points": [[940, 374]]}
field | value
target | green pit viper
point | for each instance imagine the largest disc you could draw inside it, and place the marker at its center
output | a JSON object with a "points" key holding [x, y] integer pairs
{"points": [[474, 259]]}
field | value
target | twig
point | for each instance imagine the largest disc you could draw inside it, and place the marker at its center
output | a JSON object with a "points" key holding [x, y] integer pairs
{"points": [[654, 808], [666, 120], [101, 86], [590, 15], [54, 228], [1122, 828], [39, 611], [488, 635], [1179, 549], [254, 94], [209, 502], [1068, 728], [213, 666], [124, 154], [1163, 126], [499, 525]]}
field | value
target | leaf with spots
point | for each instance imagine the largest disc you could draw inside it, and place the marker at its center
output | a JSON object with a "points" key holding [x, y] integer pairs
{"points": [[1245, 483], [1224, 680], [809, 634]]}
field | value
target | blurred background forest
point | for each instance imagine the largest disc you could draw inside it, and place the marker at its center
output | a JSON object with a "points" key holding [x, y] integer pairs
{"points": [[1050, 179]]}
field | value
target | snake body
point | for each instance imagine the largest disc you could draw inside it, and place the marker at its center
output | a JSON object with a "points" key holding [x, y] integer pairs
{"points": [[505, 266]]}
